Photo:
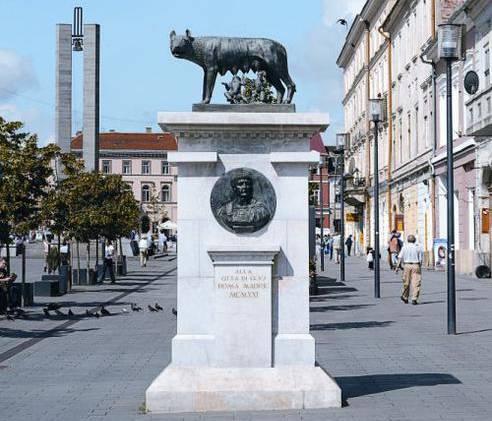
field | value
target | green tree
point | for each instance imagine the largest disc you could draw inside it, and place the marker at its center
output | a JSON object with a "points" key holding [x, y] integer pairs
{"points": [[87, 206], [26, 174]]}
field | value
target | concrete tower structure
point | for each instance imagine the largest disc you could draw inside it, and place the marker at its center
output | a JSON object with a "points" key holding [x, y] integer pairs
{"points": [[71, 38], [90, 151]]}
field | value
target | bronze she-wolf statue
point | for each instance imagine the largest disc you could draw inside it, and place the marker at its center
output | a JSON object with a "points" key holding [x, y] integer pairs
{"points": [[221, 54]]}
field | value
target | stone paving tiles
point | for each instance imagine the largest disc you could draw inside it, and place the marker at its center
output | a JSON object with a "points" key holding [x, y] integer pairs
{"points": [[393, 361]]}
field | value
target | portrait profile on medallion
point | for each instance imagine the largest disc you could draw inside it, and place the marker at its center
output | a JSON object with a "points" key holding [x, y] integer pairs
{"points": [[243, 200]]}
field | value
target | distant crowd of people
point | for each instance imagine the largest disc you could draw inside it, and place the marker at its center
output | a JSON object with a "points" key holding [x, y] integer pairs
{"points": [[331, 246], [407, 257], [144, 245]]}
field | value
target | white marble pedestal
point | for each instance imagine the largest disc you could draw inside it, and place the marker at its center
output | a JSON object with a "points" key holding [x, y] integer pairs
{"points": [[243, 340]]}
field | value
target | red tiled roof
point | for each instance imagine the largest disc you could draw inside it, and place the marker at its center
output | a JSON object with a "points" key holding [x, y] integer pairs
{"points": [[133, 141]]}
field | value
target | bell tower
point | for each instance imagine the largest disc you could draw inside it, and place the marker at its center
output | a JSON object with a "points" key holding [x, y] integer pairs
{"points": [[85, 38]]}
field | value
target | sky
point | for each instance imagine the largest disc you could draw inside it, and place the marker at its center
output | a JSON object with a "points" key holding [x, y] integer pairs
{"points": [[140, 77]]}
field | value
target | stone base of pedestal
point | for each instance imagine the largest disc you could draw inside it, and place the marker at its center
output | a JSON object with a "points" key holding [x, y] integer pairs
{"points": [[193, 389]]}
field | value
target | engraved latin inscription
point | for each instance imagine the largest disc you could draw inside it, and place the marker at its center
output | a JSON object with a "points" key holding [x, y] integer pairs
{"points": [[242, 283]]}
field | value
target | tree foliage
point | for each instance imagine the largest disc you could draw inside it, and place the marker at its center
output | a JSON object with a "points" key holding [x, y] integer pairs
{"points": [[26, 173], [89, 205]]}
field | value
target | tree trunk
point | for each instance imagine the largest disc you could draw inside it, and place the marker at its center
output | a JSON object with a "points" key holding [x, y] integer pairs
{"points": [[88, 256], [23, 287], [59, 254], [70, 253], [78, 262], [8, 254], [97, 251]]}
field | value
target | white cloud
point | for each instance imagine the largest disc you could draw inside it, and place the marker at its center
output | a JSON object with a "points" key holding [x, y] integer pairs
{"points": [[16, 74], [336, 9], [34, 119]]}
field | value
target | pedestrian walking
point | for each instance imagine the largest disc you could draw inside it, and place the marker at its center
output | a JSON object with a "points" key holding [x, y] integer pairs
{"points": [[64, 253], [394, 248], [108, 262], [46, 252], [328, 244], [370, 258], [337, 246], [143, 247], [6, 282], [162, 241], [349, 242], [318, 247], [411, 258]]}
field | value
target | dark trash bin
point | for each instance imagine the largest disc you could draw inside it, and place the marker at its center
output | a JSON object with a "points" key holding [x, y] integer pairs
{"points": [[16, 294]]}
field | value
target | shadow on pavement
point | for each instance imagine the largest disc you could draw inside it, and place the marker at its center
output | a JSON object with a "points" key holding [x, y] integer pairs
{"points": [[474, 331], [54, 333], [324, 290], [350, 325], [65, 305], [322, 298], [432, 302], [345, 307], [354, 386]]}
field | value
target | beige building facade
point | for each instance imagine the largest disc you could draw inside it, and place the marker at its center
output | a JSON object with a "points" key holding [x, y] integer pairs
{"points": [[141, 159], [384, 56]]}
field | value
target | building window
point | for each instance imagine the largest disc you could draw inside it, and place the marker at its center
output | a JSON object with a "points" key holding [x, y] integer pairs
{"points": [[145, 193], [470, 117], [165, 167], [486, 65], [166, 193], [127, 167], [106, 166], [409, 135], [146, 167]]}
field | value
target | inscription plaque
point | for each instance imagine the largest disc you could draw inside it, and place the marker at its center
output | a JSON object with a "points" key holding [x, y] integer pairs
{"points": [[243, 201]]}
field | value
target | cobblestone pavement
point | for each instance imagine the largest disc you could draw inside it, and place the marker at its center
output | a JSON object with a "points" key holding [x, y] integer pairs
{"points": [[393, 361]]}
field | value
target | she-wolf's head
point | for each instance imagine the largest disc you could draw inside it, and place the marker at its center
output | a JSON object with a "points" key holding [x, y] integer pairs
{"points": [[181, 45]]}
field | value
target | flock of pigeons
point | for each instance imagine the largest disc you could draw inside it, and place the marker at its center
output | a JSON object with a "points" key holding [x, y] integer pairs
{"points": [[98, 312]]}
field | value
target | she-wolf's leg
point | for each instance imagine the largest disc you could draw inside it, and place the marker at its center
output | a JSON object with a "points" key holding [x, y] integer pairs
{"points": [[277, 84], [291, 86], [210, 76]]}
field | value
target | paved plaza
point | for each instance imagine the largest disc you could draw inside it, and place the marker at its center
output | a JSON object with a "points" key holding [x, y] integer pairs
{"points": [[393, 361]]}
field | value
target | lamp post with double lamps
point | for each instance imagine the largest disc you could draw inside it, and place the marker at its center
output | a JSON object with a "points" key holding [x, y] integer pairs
{"points": [[321, 211], [341, 141], [449, 49], [376, 113]]}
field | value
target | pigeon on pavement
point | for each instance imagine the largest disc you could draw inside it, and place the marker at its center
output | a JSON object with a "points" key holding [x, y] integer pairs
{"points": [[105, 312], [151, 308], [158, 307], [174, 311]]}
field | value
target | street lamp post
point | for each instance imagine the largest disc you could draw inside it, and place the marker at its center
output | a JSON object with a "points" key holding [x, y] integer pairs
{"points": [[321, 214], [449, 46], [376, 113], [341, 137]]}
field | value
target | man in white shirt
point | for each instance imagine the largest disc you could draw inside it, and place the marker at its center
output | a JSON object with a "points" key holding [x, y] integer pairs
{"points": [[410, 257], [162, 241], [337, 247], [143, 246], [108, 262]]}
